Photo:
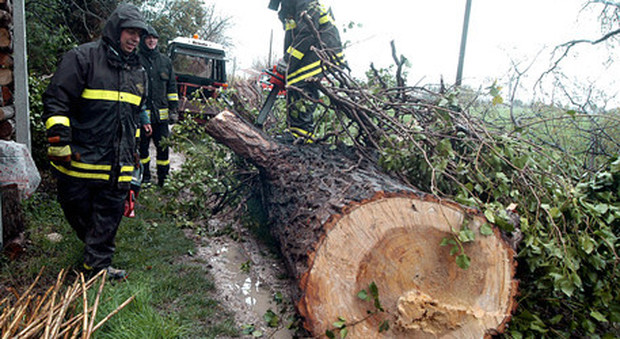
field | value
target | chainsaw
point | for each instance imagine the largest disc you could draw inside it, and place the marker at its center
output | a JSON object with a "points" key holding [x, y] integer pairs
{"points": [[278, 81]]}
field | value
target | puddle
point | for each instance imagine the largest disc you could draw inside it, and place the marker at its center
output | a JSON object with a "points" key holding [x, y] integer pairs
{"points": [[247, 282]]}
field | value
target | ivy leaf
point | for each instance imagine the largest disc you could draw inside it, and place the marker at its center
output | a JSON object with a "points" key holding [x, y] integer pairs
{"points": [[329, 334], [467, 235], [271, 318], [363, 295], [447, 241], [486, 229], [463, 261], [340, 323], [384, 326], [490, 215], [374, 290], [344, 332], [598, 316]]}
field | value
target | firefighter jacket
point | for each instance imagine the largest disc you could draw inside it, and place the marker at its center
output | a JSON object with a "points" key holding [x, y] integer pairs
{"points": [[301, 18], [162, 96], [93, 106]]}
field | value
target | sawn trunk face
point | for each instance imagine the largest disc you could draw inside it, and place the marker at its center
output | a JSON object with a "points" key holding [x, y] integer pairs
{"points": [[342, 225]]}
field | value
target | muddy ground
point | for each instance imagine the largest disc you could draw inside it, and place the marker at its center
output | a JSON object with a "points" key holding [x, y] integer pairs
{"points": [[250, 280]]}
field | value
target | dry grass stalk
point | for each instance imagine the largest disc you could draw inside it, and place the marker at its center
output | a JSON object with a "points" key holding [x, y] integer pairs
{"points": [[54, 314]]}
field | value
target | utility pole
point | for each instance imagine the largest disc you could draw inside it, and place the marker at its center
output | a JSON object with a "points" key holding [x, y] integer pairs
{"points": [[270, 49], [459, 71]]}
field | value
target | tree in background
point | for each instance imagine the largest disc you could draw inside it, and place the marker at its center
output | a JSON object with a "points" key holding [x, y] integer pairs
{"points": [[55, 26]]}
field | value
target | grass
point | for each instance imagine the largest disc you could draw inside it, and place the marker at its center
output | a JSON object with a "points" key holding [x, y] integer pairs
{"points": [[173, 290]]}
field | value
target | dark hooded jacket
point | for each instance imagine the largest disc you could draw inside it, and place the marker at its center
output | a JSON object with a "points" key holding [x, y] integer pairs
{"points": [[300, 37], [162, 90], [93, 104]]}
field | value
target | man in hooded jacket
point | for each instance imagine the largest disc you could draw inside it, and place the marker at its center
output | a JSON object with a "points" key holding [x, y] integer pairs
{"points": [[308, 25], [161, 104], [92, 113]]}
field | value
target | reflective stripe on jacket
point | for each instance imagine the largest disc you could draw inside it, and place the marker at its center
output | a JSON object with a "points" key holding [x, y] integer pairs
{"points": [[93, 104], [300, 38], [162, 89]]}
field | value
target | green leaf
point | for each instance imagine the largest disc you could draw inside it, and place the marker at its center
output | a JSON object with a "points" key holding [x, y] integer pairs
{"points": [[447, 241], [271, 318], [384, 326], [330, 334], [374, 290], [363, 295], [454, 250], [344, 332], [486, 229], [598, 316], [490, 215], [567, 287], [587, 244], [467, 235], [463, 261]]}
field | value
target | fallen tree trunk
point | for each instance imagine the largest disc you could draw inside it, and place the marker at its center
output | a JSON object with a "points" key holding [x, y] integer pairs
{"points": [[343, 225]]}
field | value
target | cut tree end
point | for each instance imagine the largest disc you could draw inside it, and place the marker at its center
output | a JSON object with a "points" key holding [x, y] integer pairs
{"points": [[393, 243]]}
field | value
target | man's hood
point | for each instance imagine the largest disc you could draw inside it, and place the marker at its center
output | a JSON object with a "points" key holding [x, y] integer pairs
{"points": [[124, 16], [143, 49]]}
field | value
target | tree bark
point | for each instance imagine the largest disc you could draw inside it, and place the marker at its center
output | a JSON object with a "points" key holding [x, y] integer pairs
{"points": [[343, 225]]}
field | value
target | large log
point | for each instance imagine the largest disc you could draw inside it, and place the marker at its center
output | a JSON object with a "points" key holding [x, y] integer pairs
{"points": [[344, 225]]}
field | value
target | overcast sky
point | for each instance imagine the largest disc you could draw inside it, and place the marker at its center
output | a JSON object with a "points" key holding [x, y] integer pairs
{"points": [[428, 33]]}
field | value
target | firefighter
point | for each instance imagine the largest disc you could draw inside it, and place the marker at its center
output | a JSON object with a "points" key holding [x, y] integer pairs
{"points": [[161, 103], [92, 113], [301, 62]]}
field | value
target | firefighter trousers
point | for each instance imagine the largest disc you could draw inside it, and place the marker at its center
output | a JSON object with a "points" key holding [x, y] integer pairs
{"points": [[160, 132], [94, 211], [300, 110]]}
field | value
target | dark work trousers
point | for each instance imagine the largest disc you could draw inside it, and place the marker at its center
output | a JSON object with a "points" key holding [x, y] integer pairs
{"points": [[300, 110], [94, 211], [160, 132]]}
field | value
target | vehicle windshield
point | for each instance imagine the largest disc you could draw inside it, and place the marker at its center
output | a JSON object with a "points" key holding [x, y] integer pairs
{"points": [[194, 65]]}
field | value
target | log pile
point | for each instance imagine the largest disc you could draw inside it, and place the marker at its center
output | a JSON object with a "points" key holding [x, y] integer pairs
{"points": [[12, 215], [345, 227]]}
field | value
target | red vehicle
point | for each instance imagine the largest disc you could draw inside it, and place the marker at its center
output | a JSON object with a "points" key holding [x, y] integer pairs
{"points": [[200, 68]]}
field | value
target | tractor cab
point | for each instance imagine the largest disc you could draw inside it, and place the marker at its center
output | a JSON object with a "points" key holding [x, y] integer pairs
{"points": [[200, 68]]}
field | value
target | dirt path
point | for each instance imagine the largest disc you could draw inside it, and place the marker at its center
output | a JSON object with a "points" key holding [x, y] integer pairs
{"points": [[250, 282]]}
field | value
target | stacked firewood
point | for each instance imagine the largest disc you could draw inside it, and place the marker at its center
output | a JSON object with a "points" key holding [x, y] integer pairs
{"points": [[7, 110]]}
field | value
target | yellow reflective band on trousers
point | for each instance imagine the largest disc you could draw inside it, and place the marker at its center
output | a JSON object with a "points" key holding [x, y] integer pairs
{"points": [[145, 160], [162, 162], [57, 120], [300, 133], [108, 95], [296, 53], [309, 70], [173, 97], [83, 175], [137, 132]]}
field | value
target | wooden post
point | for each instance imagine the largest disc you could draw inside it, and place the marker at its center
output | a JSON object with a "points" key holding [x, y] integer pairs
{"points": [[22, 106]]}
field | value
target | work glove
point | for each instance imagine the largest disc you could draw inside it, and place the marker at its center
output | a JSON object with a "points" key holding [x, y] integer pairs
{"points": [[59, 154], [173, 116], [130, 203]]}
